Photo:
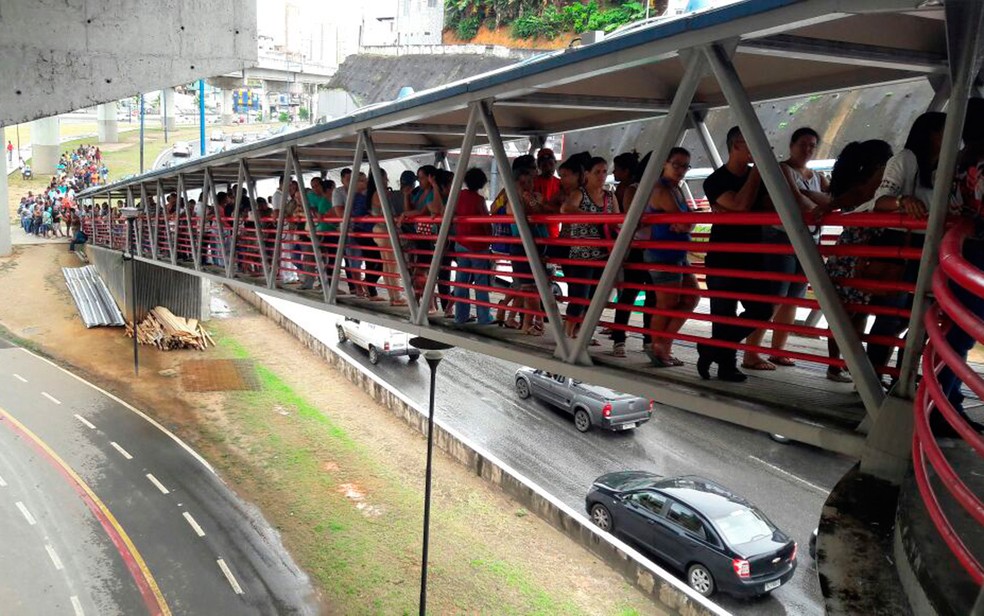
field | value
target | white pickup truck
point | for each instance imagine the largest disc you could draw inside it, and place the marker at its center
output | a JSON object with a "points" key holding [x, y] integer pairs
{"points": [[377, 340]]}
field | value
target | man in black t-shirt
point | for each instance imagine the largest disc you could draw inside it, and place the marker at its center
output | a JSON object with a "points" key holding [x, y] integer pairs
{"points": [[734, 188]]}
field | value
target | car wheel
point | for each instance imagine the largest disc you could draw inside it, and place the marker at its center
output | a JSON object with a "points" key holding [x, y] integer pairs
{"points": [[700, 579], [373, 355], [582, 421], [522, 388], [341, 334], [602, 517], [413, 357]]}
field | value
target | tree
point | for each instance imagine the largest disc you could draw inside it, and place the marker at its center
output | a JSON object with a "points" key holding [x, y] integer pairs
{"points": [[303, 113], [283, 117]]}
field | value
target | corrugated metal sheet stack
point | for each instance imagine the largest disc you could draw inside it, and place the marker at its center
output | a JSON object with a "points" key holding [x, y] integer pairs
{"points": [[96, 305]]}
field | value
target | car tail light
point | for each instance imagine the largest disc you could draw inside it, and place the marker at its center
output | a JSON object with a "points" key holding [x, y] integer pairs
{"points": [[652, 406], [741, 568], [793, 556], [606, 411], [386, 346]]}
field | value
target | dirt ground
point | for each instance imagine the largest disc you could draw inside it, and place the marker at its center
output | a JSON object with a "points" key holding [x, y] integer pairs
{"points": [[485, 548]]}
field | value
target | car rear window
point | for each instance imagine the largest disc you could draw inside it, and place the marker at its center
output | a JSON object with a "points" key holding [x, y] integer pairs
{"points": [[744, 525]]}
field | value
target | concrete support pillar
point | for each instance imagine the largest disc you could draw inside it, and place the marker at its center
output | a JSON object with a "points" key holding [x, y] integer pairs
{"points": [[226, 111], [265, 103], [109, 131], [167, 99], [45, 145], [5, 248]]}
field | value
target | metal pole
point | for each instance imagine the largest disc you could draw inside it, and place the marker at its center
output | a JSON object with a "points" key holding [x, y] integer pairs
{"points": [[231, 264], [278, 237], [343, 229], [433, 359], [319, 264], [704, 135], [201, 116], [133, 300], [141, 133], [543, 285], [448, 214], [670, 131], [394, 237], [164, 112], [966, 62], [865, 377]]}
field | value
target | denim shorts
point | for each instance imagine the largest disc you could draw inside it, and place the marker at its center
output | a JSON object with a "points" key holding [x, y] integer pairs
{"points": [[659, 277]]}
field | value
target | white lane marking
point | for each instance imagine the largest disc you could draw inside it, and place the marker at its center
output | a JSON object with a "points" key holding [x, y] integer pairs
{"points": [[85, 422], [77, 605], [791, 476], [194, 525], [232, 580], [3, 484], [123, 452], [160, 486], [54, 557], [50, 397], [194, 454], [27, 514], [20, 378]]}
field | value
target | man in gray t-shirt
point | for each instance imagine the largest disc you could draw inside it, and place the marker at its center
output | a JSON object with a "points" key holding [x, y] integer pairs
{"points": [[341, 193]]}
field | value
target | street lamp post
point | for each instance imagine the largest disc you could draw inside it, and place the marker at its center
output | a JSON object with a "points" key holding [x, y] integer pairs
{"points": [[433, 353]]}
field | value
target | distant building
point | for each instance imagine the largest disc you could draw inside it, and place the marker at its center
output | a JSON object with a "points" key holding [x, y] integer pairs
{"points": [[419, 22]]}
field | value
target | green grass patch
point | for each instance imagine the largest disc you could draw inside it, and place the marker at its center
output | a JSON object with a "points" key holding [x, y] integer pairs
{"points": [[303, 470]]}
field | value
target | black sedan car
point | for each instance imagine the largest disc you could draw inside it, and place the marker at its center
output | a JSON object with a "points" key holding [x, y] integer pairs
{"points": [[718, 540]]}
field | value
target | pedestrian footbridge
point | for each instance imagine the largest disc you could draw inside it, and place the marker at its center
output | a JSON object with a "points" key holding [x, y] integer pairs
{"points": [[671, 74]]}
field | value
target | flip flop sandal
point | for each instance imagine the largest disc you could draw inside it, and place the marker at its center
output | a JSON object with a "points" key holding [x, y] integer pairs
{"points": [[618, 349], [657, 361], [839, 377], [760, 365], [782, 361]]}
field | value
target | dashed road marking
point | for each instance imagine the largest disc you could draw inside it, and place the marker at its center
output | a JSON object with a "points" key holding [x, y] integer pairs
{"points": [[158, 484], [20, 378], [194, 525], [123, 452], [27, 514], [54, 557], [3, 484], [232, 580], [791, 476], [50, 397], [77, 606], [85, 422]]}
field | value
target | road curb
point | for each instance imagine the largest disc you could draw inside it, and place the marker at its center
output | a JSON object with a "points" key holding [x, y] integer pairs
{"points": [[662, 587]]}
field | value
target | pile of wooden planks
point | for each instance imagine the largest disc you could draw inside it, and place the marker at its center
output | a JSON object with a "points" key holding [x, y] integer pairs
{"points": [[164, 330]]}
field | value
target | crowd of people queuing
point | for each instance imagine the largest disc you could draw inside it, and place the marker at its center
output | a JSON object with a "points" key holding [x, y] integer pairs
{"points": [[867, 177], [54, 212]]}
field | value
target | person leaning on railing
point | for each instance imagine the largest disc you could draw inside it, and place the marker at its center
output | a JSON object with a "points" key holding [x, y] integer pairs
{"points": [[733, 189], [853, 182], [906, 187], [667, 197]]}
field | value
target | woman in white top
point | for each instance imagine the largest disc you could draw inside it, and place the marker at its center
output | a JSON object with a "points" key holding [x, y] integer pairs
{"points": [[906, 186]]}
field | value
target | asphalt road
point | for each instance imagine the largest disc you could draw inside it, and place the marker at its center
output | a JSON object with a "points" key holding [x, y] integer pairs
{"points": [[789, 482], [103, 506]]}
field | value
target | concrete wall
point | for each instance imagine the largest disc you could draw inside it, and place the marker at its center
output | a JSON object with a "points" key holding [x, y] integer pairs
{"points": [[185, 295], [667, 592], [61, 56]]}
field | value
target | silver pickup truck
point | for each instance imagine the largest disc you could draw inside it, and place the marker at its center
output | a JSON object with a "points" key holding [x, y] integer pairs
{"points": [[591, 405]]}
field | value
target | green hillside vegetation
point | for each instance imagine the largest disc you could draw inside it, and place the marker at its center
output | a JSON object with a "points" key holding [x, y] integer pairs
{"points": [[530, 19]]}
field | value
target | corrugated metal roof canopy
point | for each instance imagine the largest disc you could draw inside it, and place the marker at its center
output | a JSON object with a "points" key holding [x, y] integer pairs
{"points": [[782, 48]]}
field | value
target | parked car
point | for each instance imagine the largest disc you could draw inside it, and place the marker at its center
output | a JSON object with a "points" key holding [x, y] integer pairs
{"points": [[591, 405], [217, 135], [238, 138], [377, 340], [718, 540], [181, 148]]}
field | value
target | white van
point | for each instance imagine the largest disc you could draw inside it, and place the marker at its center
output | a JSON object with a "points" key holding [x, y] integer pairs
{"points": [[377, 340]]}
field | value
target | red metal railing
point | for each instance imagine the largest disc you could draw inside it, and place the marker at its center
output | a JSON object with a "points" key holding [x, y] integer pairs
{"points": [[373, 272], [938, 354]]}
